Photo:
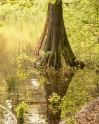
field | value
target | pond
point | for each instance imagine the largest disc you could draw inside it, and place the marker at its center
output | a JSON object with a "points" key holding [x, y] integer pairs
{"points": [[20, 82]]}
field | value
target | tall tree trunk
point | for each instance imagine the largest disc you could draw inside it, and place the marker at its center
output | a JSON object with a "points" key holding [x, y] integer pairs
{"points": [[53, 42]]}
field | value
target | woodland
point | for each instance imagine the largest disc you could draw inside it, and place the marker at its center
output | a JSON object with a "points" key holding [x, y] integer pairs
{"points": [[66, 49]]}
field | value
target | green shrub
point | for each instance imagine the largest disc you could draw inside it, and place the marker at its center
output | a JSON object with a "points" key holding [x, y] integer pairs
{"points": [[11, 81], [55, 103], [21, 109]]}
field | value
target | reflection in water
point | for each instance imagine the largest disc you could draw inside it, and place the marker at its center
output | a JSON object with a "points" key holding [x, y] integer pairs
{"points": [[58, 84], [9, 117], [27, 90], [36, 96], [36, 117], [9, 104], [35, 83]]}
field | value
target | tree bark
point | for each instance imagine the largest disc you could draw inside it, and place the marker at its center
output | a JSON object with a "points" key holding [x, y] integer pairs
{"points": [[54, 42]]}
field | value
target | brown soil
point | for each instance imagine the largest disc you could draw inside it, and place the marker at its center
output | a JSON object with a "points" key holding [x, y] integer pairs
{"points": [[89, 114]]}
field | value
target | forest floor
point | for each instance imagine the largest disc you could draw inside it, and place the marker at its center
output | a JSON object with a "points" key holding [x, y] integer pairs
{"points": [[89, 114]]}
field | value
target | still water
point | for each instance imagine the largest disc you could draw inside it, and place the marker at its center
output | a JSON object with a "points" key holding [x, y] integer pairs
{"points": [[36, 96], [20, 38], [17, 41]]}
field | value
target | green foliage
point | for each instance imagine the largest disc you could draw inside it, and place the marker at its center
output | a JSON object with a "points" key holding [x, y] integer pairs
{"points": [[11, 82], [21, 109], [55, 103], [23, 62], [83, 88], [25, 9], [82, 22], [44, 55], [54, 99], [44, 80], [52, 1], [21, 59]]}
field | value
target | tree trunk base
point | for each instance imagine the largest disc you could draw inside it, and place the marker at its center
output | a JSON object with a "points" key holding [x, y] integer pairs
{"points": [[53, 48]]}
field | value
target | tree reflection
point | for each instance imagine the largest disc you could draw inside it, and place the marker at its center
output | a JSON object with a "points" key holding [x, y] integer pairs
{"points": [[34, 95], [59, 85]]}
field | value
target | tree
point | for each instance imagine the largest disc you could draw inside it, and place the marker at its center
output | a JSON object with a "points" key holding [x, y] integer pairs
{"points": [[53, 46]]}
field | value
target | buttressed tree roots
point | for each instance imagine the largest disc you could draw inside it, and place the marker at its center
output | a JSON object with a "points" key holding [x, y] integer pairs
{"points": [[53, 47]]}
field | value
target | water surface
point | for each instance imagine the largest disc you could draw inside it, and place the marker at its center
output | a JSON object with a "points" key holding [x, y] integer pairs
{"points": [[18, 39]]}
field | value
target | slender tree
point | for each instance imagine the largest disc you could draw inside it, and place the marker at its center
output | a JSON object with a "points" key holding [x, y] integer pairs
{"points": [[53, 46]]}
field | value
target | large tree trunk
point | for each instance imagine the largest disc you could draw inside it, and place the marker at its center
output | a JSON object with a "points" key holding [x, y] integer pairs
{"points": [[53, 42]]}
